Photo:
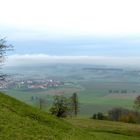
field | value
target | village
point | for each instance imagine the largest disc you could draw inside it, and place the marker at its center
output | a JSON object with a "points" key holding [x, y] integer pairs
{"points": [[31, 83]]}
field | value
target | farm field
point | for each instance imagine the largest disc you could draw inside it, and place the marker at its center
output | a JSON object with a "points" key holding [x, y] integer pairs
{"points": [[99, 88]]}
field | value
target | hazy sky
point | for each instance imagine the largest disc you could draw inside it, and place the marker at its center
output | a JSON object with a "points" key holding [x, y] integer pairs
{"points": [[55, 17], [90, 28]]}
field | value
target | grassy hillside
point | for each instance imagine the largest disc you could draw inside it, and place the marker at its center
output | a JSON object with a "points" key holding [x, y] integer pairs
{"points": [[108, 130], [19, 121]]}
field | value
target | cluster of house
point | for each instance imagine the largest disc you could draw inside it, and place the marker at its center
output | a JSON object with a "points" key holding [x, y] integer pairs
{"points": [[32, 83]]}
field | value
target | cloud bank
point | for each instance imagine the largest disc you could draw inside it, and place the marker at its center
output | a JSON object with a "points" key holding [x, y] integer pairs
{"points": [[31, 59]]}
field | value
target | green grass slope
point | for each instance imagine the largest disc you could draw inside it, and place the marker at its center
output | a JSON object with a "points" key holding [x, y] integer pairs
{"points": [[107, 130], [19, 121]]}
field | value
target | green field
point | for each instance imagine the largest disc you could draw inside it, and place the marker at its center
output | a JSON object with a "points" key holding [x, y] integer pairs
{"points": [[92, 86], [107, 129], [92, 99]]}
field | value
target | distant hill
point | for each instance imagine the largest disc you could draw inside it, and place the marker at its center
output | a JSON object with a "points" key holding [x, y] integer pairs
{"points": [[19, 121]]}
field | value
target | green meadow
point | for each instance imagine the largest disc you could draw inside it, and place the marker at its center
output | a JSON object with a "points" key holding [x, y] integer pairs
{"points": [[91, 83]]}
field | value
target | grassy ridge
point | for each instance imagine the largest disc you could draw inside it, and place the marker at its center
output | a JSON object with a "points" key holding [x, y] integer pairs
{"points": [[19, 121]]}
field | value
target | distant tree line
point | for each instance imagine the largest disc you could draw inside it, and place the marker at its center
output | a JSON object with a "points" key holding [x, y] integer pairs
{"points": [[122, 114], [120, 91]]}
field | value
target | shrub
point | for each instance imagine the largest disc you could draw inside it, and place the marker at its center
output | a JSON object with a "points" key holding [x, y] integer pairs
{"points": [[129, 118], [137, 103], [60, 107], [124, 115], [98, 116]]}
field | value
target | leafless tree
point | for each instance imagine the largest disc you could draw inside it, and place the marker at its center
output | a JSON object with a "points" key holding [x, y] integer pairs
{"points": [[75, 104], [42, 103], [3, 50]]}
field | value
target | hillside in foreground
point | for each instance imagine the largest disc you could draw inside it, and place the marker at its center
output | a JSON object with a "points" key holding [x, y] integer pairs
{"points": [[19, 121]]}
